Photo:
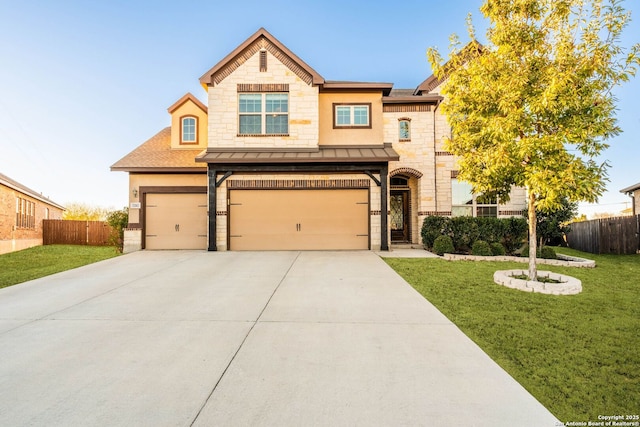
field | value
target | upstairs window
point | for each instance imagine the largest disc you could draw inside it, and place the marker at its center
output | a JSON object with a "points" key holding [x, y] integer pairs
{"points": [[189, 130], [352, 116], [263, 114], [404, 129]]}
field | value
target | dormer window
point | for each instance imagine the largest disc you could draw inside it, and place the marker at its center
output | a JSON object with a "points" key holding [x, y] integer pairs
{"points": [[188, 133]]}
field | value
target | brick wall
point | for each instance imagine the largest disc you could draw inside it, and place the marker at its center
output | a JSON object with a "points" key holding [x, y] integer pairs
{"points": [[14, 238]]}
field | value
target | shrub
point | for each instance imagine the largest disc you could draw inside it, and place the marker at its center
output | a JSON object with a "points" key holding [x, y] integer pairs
{"points": [[482, 248], [464, 231], [497, 249], [432, 227], [546, 252], [515, 233], [443, 245], [491, 230], [118, 220]]}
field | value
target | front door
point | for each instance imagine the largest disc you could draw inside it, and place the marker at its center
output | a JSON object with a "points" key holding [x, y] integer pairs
{"points": [[399, 202]]}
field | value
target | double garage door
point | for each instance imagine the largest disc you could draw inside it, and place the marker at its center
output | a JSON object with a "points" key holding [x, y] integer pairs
{"points": [[298, 219], [263, 220]]}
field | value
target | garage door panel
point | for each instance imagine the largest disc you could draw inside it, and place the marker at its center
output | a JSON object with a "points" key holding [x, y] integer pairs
{"points": [[176, 221], [299, 219]]}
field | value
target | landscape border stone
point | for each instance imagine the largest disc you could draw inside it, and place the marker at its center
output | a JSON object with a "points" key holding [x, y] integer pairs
{"points": [[563, 260], [568, 285]]}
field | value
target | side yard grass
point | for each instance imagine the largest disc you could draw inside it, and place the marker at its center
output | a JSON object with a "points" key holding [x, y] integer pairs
{"points": [[578, 355], [39, 261]]}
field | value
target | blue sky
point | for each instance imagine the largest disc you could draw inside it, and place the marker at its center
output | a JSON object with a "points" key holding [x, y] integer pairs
{"points": [[83, 83]]}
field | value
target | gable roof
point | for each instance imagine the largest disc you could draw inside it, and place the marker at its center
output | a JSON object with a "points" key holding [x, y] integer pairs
{"points": [[432, 81], [185, 98], [15, 185], [156, 155], [261, 39], [631, 189]]}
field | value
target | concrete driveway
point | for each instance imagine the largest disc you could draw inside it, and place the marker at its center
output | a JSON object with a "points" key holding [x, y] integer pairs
{"points": [[243, 339]]}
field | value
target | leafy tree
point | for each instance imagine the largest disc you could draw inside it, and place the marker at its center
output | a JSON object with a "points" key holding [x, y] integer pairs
{"points": [[553, 224], [118, 220], [84, 212], [534, 107]]}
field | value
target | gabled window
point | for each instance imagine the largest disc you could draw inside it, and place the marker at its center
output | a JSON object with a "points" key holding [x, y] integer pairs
{"points": [[404, 129], [465, 203], [348, 116], [189, 130], [263, 114]]}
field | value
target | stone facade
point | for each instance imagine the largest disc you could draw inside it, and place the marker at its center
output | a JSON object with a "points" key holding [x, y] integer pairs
{"points": [[223, 107], [263, 65]]}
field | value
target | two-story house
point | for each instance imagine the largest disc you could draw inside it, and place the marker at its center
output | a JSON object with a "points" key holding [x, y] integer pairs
{"points": [[281, 159], [21, 213]]}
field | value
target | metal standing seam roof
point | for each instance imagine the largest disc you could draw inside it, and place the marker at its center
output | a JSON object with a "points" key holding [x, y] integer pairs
{"points": [[322, 155]]}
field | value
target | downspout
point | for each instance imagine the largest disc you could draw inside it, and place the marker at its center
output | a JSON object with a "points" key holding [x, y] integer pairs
{"points": [[435, 161]]}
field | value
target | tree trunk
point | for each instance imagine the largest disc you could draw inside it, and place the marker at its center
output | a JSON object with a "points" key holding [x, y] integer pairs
{"points": [[533, 271]]}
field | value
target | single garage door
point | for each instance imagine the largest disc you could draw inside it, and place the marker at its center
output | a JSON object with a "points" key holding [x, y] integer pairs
{"points": [[298, 219], [176, 221]]}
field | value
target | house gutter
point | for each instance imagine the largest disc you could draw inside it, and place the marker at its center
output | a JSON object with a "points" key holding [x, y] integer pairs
{"points": [[435, 161]]}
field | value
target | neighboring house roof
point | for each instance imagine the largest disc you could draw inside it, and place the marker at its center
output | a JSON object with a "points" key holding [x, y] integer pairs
{"points": [[187, 97], [336, 154], [261, 39], [631, 189], [8, 182], [156, 155]]}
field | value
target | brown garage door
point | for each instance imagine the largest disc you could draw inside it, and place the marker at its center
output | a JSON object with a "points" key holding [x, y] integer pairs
{"points": [[298, 219], [176, 221]]}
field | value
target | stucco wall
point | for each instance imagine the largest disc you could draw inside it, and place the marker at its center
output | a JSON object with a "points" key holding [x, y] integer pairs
{"points": [[137, 180], [364, 136], [223, 107], [188, 108]]}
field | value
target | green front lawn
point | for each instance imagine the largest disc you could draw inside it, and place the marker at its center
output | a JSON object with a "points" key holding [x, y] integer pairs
{"points": [[579, 355], [39, 261]]}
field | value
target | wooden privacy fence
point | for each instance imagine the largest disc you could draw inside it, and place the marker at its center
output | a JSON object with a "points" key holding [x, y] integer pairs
{"points": [[619, 235], [69, 232]]}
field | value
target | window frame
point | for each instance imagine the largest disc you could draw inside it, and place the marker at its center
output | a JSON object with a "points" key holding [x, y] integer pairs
{"points": [[263, 113], [475, 203], [406, 120], [183, 141], [351, 106], [25, 213]]}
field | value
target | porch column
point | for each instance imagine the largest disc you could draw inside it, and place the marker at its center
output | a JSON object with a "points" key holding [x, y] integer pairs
{"points": [[213, 208], [384, 232]]}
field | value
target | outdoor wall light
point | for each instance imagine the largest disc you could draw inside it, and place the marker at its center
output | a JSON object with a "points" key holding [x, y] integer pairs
{"points": [[135, 192]]}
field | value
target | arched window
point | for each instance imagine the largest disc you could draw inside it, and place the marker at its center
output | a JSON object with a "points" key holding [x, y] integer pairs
{"points": [[189, 130], [404, 129], [399, 181]]}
